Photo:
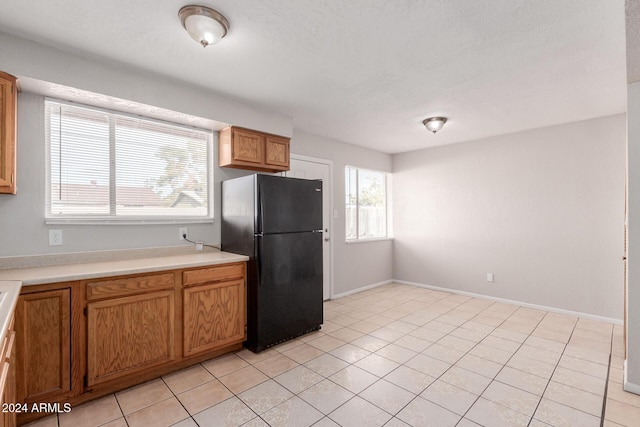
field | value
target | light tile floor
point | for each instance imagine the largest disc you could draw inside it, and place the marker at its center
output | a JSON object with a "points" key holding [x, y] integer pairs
{"points": [[397, 355]]}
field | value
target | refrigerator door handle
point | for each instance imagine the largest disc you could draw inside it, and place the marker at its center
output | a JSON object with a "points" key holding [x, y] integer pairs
{"points": [[259, 257], [260, 213]]}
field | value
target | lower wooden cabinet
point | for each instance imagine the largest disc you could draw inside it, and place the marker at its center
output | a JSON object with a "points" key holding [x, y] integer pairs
{"points": [[127, 335], [8, 377], [213, 315], [43, 345], [77, 341]]}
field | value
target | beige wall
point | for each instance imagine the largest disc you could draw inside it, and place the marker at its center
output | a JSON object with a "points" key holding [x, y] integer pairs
{"points": [[632, 371], [356, 265], [543, 210], [632, 322], [22, 227]]}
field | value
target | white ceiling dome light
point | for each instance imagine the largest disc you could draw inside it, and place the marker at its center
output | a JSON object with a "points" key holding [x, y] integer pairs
{"points": [[434, 124], [204, 25]]}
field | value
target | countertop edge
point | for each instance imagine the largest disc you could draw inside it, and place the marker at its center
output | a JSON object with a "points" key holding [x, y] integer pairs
{"points": [[11, 291], [73, 272]]}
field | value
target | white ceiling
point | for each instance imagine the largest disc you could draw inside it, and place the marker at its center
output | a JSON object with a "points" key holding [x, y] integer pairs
{"points": [[368, 72]]}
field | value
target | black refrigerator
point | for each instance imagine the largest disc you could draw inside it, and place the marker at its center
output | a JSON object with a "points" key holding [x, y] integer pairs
{"points": [[277, 222]]}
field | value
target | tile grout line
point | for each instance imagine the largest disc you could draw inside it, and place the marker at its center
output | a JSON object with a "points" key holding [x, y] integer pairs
{"points": [[556, 367], [381, 378], [436, 342], [456, 327], [554, 371], [606, 384], [505, 364], [456, 307], [465, 354], [176, 397]]}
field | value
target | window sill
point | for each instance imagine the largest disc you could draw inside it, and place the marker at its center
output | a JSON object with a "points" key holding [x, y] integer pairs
{"points": [[127, 221], [380, 239]]}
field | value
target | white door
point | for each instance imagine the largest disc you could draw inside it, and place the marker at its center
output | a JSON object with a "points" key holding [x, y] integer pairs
{"points": [[312, 168]]}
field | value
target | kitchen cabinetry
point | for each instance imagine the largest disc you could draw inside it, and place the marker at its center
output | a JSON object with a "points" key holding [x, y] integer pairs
{"points": [[214, 308], [81, 340], [43, 360], [8, 375], [128, 333], [248, 149], [8, 96]]}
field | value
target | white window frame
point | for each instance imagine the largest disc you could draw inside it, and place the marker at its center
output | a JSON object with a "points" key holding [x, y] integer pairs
{"points": [[112, 218], [387, 194]]}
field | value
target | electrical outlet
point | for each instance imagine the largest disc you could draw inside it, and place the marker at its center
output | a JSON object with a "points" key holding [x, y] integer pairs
{"points": [[490, 277], [55, 237], [182, 232]]}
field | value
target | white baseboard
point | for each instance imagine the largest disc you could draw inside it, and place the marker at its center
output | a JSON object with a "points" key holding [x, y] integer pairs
{"points": [[364, 288], [520, 303], [628, 386], [487, 297]]}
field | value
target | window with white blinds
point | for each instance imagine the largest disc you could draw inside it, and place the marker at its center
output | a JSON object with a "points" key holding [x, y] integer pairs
{"points": [[109, 166]]}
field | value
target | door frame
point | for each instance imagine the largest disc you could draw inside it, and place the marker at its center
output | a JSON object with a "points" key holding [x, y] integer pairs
{"points": [[332, 213]]}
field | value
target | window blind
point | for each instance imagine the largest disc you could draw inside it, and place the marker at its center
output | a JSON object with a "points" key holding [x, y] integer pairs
{"points": [[104, 165]]}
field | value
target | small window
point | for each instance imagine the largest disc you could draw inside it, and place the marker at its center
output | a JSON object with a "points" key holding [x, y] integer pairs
{"points": [[366, 204], [109, 166]]}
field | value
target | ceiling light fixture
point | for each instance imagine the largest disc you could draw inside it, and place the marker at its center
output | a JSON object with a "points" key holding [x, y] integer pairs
{"points": [[204, 25], [434, 124]]}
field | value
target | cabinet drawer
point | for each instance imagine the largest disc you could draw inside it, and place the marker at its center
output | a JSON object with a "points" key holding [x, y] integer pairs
{"points": [[213, 274], [127, 286]]}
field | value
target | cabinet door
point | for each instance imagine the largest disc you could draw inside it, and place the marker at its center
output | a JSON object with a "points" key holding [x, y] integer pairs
{"points": [[247, 146], [127, 335], [277, 152], [8, 380], [7, 133], [214, 316], [43, 331]]}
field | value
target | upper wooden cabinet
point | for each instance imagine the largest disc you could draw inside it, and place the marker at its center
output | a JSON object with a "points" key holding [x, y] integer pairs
{"points": [[249, 149], [8, 96]]}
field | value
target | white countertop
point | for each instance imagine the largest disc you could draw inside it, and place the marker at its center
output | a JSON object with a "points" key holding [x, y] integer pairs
{"points": [[9, 292], [90, 270]]}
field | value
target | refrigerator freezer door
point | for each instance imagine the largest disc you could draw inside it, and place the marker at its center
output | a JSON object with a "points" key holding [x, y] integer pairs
{"points": [[238, 215], [289, 288], [288, 205]]}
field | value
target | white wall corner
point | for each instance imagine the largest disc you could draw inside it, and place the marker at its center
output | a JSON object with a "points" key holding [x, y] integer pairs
{"points": [[629, 386]]}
